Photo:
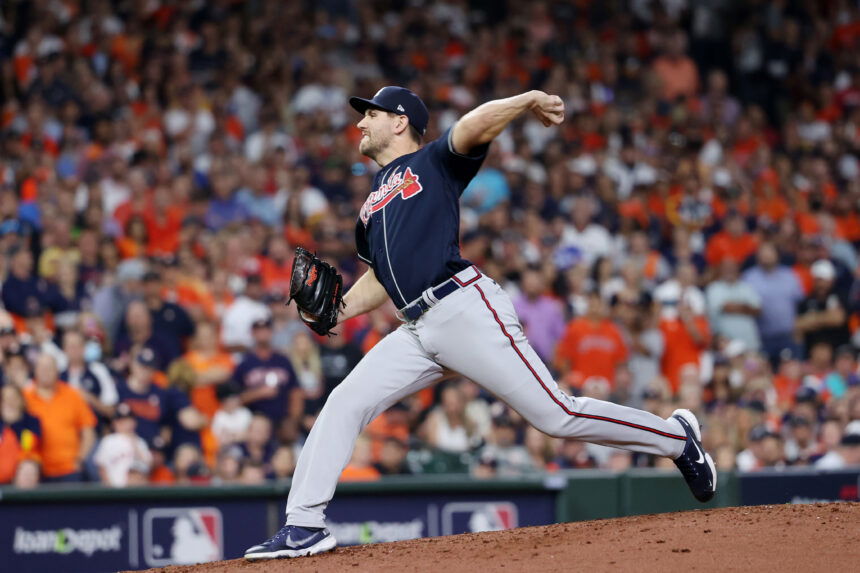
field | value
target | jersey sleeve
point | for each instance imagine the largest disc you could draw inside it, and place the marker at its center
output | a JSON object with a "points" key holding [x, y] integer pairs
{"points": [[458, 167], [179, 400], [239, 374], [108, 394]]}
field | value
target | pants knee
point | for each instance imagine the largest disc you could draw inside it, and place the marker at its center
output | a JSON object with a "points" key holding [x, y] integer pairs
{"points": [[346, 403], [554, 426]]}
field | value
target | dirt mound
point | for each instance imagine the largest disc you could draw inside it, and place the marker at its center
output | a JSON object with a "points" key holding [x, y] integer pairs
{"points": [[766, 538]]}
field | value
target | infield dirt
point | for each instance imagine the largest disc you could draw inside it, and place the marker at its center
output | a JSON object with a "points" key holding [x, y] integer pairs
{"points": [[783, 538]]}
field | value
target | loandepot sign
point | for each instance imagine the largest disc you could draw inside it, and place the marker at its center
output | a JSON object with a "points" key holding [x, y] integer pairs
{"points": [[68, 540], [376, 531]]}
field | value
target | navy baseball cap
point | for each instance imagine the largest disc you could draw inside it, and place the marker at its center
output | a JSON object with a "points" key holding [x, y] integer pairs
{"points": [[396, 100]]}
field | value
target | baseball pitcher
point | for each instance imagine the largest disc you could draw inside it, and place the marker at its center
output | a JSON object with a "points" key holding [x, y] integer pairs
{"points": [[454, 317]]}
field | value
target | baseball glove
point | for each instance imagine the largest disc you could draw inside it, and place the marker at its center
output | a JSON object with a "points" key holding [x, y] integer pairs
{"points": [[317, 289]]}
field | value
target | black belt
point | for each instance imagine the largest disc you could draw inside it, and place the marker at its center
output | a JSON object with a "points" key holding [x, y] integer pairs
{"points": [[422, 304]]}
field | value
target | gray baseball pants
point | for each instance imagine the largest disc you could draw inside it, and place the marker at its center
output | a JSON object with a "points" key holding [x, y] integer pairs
{"points": [[475, 332]]}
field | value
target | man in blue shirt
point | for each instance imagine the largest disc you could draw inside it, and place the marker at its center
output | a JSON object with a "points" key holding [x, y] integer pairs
{"points": [[158, 409], [455, 317], [268, 381], [780, 292], [168, 318], [23, 292]]}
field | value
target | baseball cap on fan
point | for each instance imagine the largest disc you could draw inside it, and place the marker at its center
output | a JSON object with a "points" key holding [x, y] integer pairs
{"points": [[396, 100], [823, 269]]}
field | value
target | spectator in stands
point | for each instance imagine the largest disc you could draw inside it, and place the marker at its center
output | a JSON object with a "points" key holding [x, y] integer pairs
{"points": [[687, 334], [20, 440], [236, 325], [90, 377], [844, 374], [224, 209], [258, 202], [122, 451], [573, 454], [677, 72], [135, 237], [847, 455], [252, 473], [23, 292], [189, 466], [276, 266], [592, 346], [231, 421], [258, 446], [112, 298], [268, 381], [68, 424], [801, 445], [648, 262], [392, 458], [542, 315], [360, 467], [681, 288], [511, 459], [169, 320], [156, 408], [285, 323], [16, 369], [392, 423], [228, 464], [733, 306], [636, 318], [283, 463], [338, 356], [212, 368], [66, 295], [37, 338], [589, 238], [448, 426], [822, 316], [766, 450], [779, 291], [138, 333], [304, 355], [734, 243], [8, 336], [541, 448]]}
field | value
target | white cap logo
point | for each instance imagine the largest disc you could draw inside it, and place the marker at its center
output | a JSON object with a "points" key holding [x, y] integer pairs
{"points": [[400, 108]]}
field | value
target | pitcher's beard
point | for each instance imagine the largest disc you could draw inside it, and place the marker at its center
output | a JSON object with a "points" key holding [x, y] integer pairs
{"points": [[370, 148]]}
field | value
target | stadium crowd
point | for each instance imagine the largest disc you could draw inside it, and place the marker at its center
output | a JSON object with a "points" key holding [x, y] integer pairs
{"points": [[688, 236]]}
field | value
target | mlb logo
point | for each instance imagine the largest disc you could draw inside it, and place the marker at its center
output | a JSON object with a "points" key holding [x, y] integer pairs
{"points": [[477, 516], [182, 536]]}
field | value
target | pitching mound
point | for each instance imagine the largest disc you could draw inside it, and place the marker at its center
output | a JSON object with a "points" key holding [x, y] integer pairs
{"points": [[766, 538]]}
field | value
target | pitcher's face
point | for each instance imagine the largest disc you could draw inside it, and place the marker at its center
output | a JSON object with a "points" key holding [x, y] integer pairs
{"points": [[377, 129]]}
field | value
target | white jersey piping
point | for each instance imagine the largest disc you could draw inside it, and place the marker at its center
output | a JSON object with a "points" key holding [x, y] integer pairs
{"points": [[388, 258]]}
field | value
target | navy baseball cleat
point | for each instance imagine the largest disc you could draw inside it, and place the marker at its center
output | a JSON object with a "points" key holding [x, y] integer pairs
{"points": [[696, 466], [293, 541]]}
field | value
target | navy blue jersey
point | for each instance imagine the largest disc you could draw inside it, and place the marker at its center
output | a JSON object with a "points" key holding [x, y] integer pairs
{"points": [[276, 370], [27, 423], [151, 409], [171, 319], [177, 400], [20, 296], [408, 229]]}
